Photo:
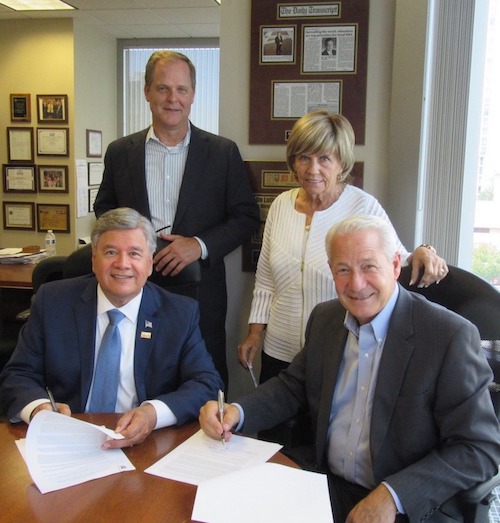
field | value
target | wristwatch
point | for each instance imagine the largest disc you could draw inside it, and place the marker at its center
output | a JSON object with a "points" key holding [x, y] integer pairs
{"points": [[430, 247]]}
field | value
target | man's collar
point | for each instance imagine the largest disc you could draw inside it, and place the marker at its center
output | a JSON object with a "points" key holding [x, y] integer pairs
{"points": [[130, 309], [184, 142]]}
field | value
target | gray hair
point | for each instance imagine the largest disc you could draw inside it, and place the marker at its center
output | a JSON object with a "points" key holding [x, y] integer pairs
{"points": [[363, 222], [323, 132], [123, 218], [168, 56]]}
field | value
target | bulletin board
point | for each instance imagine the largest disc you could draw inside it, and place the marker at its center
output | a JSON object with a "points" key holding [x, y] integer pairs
{"points": [[306, 56]]}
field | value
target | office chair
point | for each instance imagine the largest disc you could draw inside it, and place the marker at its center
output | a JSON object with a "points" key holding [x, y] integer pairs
{"points": [[479, 302]]}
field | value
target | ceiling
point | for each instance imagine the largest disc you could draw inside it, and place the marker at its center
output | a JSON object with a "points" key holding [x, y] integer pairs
{"points": [[137, 18]]}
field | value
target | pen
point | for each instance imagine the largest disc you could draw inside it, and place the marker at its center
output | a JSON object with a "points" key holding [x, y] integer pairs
{"points": [[52, 402], [163, 228], [221, 414], [254, 379]]}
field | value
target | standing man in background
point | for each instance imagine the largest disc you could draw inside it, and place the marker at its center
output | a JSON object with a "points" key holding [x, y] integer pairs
{"points": [[190, 183]]}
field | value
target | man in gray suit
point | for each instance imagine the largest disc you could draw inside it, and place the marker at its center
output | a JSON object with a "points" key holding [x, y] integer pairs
{"points": [[190, 183], [396, 388]]}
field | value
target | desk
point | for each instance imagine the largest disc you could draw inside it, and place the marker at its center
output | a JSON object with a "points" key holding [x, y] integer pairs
{"points": [[17, 275], [125, 497]]}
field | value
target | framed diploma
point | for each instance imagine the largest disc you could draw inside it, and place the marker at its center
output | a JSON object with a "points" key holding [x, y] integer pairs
{"points": [[20, 144], [92, 196], [19, 215], [53, 178], [19, 178], [20, 108], [94, 143], [55, 217], [96, 170], [53, 142]]}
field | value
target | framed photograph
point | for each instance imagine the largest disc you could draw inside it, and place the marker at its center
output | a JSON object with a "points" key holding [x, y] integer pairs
{"points": [[53, 178], [92, 196], [94, 143], [20, 144], [55, 217], [53, 142], [19, 178], [20, 108], [277, 45], [52, 108], [96, 170], [19, 216]]}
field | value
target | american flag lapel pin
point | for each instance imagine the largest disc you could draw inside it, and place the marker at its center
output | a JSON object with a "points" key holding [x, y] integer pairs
{"points": [[147, 325]]}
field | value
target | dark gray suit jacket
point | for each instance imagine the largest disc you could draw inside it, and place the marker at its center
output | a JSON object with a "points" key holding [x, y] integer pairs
{"points": [[56, 350], [215, 203], [434, 431]]}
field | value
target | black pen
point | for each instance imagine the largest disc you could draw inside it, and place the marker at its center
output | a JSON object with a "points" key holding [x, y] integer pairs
{"points": [[163, 228], [52, 402]]}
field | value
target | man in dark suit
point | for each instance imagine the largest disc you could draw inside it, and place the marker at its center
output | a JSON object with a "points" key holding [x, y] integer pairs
{"points": [[165, 372], [190, 183], [396, 388]]}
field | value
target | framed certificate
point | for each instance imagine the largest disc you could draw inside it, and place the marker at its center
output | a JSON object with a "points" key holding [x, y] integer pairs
{"points": [[94, 143], [53, 142], [19, 178], [20, 144], [19, 215], [55, 217], [96, 170]]}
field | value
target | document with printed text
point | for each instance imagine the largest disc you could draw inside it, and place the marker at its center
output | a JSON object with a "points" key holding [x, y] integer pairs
{"points": [[200, 458], [61, 451]]}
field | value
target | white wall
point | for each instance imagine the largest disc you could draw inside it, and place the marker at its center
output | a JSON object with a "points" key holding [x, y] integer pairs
{"points": [[95, 97], [234, 118]]}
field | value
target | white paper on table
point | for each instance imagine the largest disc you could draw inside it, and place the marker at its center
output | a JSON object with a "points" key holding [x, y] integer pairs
{"points": [[62, 451], [267, 493], [200, 458]]}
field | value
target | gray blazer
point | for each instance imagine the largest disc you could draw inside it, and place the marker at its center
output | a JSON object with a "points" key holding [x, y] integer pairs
{"points": [[434, 431]]}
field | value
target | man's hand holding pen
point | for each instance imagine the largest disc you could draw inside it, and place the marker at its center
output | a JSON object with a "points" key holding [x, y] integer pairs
{"points": [[210, 423]]}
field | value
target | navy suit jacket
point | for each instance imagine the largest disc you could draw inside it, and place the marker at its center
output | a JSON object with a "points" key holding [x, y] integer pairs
{"points": [[215, 203], [433, 430], [56, 349]]}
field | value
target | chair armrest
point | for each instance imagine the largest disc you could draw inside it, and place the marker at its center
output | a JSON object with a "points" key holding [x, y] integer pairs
{"points": [[23, 315]]}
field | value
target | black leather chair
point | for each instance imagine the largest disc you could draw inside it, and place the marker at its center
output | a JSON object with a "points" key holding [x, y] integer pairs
{"points": [[479, 302]]}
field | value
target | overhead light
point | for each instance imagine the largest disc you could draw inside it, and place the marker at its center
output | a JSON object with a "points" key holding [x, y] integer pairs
{"points": [[36, 5], [218, 1]]}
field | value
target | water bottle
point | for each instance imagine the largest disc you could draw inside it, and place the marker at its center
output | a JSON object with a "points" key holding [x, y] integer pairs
{"points": [[50, 243]]}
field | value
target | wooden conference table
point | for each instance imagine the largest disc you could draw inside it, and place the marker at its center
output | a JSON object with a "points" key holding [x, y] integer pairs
{"points": [[126, 497]]}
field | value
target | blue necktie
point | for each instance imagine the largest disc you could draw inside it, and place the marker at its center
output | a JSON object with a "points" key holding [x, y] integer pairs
{"points": [[107, 372]]}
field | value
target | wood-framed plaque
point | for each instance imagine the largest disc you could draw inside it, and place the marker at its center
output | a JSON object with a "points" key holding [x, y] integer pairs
{"points": [[51, 216], [20, 144], [19, 178], [20, 108], [53, 141], [19, 216]]}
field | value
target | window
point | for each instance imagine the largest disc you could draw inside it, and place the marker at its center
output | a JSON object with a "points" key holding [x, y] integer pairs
{"points": [[134, 111], [486, 241]]}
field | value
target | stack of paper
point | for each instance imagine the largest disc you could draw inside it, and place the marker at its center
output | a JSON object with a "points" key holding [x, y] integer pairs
{"points": [[11, 255]]}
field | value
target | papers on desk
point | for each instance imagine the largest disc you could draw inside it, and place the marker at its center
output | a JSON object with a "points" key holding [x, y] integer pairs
{"points": [[12, 255], [266, 493], [61, 451], [200, 458]]}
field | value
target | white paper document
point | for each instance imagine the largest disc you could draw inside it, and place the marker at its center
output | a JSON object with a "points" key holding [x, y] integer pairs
{"points": [[200, 458], [267, 493], [61, 451]]}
